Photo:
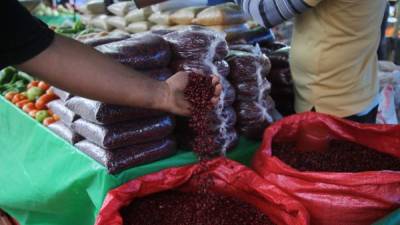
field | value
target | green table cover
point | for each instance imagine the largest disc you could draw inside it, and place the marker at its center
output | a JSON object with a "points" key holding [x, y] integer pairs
{"points": [[44, 180], [57, 20]]}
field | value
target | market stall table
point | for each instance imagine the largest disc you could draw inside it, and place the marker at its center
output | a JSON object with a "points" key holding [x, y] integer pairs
{"points": [[46, 180]]}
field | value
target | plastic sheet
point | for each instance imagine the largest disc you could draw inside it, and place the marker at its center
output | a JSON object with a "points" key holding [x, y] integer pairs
{"points": [[233, 31], [193, 43], [224, 14], [186, 16], [141, 51], [333, 198], [254, 106], [103, 113], [125, 134], [66, 115], [65, 132], [230, 178]]}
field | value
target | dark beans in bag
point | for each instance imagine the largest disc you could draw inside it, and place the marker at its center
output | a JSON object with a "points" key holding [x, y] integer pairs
{"points": [[189, 65], [128, 157], [141, 51], [65, 132], [103, 113], [127, 133]]}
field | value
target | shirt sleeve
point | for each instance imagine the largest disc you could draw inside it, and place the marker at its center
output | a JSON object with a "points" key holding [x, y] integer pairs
{"points": [[269, 13], [22, 36]]}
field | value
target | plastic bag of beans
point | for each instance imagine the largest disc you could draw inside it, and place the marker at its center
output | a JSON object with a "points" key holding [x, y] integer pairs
{"points": [[342, 172], [66, 115], [103, 113], [96, 41], [65, 132], [203, 53], [141, 51], [194, 43], [185, 65], [255, 108], [127, 157], [224, 14], [229, 179], [126, 133]]}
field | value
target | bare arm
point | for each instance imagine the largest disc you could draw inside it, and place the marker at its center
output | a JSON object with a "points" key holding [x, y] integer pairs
{"points": [[81, 70]]}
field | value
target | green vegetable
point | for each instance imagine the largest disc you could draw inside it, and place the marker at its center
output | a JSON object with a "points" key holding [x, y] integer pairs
{"points": [[33, 93], [25, 76], [41, 115]]}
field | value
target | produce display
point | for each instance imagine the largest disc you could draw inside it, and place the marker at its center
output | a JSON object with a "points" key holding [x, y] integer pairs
{"points": [[206, 46], [28, 94]]}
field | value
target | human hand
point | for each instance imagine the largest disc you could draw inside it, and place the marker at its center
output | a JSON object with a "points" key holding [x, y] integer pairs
{"points": [[174, 100]]}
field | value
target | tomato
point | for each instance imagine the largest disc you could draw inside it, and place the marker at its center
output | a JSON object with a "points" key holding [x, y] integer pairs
{"points": [[21, 103], [48, 121], [33, 112], [9, 96], [56, 117], [17, 98], [28, 107], [44, 99], [43, 85], [34, 83]]}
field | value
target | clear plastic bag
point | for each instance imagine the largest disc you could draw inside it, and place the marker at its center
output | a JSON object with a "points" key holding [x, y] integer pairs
{"points": [[224, 14], [103, 113], [101, 23], [121, 8], [131, 156], [138, 15], [254, 106], [117, 21], [138, 27], [190, 65], [66, 115], [65, 132], [161, 18], [141, 51], [198, 43], [186, 16], [125, 134], [63, 95]]}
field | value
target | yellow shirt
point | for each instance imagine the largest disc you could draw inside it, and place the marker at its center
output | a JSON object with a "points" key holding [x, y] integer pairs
{"points": [[334, 55]]}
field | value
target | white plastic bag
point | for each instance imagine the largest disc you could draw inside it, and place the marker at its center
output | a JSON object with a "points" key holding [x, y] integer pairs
{"points": [[177, 4], [186, 16], [138, 27], [389, 98], [96, 7], [161, 18], [121, 8], [138, 15], [101, 23], [117, 21]]}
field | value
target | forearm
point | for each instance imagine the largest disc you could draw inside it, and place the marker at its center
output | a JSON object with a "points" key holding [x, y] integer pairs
{"points": [[83, 71], [269, 13]]}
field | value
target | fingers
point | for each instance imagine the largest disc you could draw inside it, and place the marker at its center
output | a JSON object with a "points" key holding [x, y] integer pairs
{"points": [[215, 80], [218, 90]]}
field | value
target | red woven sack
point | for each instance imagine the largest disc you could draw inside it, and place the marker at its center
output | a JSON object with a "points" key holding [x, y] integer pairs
{"points": [[230, 178], [333, 198]]}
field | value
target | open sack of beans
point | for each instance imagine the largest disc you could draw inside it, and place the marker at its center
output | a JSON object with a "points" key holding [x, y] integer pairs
{"points": [[235, 196], [343, 172]]}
